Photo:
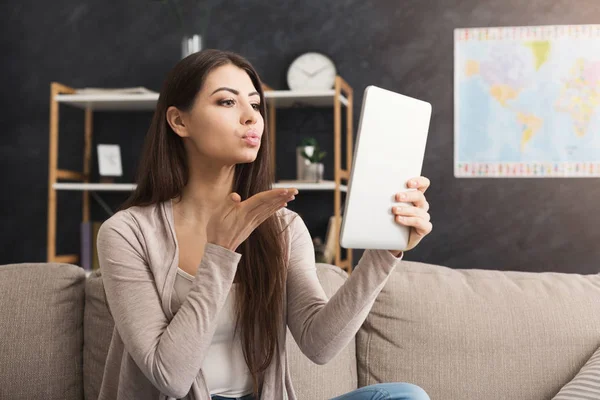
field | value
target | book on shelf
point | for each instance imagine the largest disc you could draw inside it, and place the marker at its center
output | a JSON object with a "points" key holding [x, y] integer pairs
{"points": [[330, 242], [85, 257], [298, 180], [319, 247], [95, 261], [89, 251]]}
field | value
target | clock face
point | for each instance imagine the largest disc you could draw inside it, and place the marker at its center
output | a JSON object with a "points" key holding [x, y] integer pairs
{"points": [[311, 71]]}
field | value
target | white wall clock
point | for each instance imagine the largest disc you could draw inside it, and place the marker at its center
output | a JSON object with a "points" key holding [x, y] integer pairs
{"points": [[311, 71]]}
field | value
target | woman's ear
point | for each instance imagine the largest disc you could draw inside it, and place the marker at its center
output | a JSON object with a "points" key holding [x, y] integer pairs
{"points": [[175, 120]]}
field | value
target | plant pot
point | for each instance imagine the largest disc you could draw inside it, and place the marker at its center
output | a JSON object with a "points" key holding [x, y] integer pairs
{"points": [[314, 172], [301, 162], [190, 44]]}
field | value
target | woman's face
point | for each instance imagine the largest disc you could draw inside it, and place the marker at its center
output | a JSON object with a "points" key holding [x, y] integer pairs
{"points": [[224, 123]]}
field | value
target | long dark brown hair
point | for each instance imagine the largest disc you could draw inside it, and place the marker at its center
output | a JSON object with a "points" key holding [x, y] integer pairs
{"points": [[162, 174]]}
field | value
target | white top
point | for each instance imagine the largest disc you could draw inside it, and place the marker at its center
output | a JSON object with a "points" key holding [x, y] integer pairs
{"points": [[224, 368]]}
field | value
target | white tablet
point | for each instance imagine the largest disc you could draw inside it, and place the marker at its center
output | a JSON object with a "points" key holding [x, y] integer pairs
{"points": [[389, 150]]}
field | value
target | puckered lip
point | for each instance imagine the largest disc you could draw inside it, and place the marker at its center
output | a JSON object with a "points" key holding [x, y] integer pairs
{"points": [[252, 134]]}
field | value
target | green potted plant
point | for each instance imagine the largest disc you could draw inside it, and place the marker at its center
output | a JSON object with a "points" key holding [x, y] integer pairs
{"points": [[310, 167]]}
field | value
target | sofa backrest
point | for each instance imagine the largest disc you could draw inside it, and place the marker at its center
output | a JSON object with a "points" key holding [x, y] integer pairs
{"points": [[41, 331], [480, 334], [310, 381]]}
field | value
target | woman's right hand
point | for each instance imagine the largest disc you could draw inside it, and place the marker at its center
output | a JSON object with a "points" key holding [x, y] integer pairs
{"points": [[230, 225]]}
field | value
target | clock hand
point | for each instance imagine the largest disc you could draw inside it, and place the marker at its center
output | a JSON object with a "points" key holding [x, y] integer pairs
{"points": [[305, 72], [320, 69]]}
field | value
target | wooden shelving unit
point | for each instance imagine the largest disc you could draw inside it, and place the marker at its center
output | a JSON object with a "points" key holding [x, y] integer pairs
{"points": [[341, 95]]}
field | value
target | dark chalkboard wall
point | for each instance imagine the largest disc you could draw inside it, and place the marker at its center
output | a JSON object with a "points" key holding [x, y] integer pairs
{"points": [[406, 46]]}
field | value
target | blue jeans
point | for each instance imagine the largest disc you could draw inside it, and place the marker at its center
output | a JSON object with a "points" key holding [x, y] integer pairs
{"points": [[386, 391], [379, 391], [246, 397]]}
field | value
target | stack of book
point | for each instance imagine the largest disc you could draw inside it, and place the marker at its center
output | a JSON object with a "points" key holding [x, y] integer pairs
{"points": [[89, 252]]}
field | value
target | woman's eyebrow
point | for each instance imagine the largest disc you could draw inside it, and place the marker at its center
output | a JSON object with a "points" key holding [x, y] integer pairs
{"points": [[233, 91]]}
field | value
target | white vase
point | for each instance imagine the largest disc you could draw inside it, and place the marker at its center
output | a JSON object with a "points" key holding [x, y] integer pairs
{"points": [[301, 162], [314, 172], [190, 44]]}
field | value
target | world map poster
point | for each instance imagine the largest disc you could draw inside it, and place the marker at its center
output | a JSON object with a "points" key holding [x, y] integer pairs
{"points": [[527, 101]]}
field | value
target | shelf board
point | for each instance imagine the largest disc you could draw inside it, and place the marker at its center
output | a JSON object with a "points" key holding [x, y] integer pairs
{"points": [[301, 185], [106, 187], [299, 98], [147, 101], [124, 187], [111, 102]]}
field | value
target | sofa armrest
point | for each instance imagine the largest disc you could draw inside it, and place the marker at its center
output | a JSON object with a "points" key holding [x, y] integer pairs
{"points": [[41, 331]]}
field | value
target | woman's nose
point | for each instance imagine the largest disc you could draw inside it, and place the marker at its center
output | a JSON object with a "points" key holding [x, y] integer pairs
{"points": [[249, 115]]}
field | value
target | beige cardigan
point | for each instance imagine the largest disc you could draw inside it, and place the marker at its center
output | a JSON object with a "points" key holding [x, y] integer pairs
{"points": [[157, 355]]}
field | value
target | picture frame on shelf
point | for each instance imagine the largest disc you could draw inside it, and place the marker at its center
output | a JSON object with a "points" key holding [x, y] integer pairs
{"points": [[109, 160]]}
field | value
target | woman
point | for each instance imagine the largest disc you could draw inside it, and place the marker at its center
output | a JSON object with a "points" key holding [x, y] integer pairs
{"points": [[204, 267]]}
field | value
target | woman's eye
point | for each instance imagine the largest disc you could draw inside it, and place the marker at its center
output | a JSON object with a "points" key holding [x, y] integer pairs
{"points": [[230, 102]]}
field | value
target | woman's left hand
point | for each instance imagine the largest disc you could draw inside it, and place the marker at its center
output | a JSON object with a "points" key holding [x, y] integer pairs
{"points": [[415, 216]]}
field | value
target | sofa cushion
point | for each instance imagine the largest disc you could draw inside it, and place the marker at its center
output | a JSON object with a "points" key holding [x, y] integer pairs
{"points": [[97, 334], [41, 331], [586, 384], [312, 381], [480, 334]]}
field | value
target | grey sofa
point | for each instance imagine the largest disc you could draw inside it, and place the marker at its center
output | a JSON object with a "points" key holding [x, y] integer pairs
{"points": [[459, 334]]}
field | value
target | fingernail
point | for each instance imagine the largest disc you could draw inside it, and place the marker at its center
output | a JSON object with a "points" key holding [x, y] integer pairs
{"points": [[411, 183], [402, 196], [399, 218]]}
